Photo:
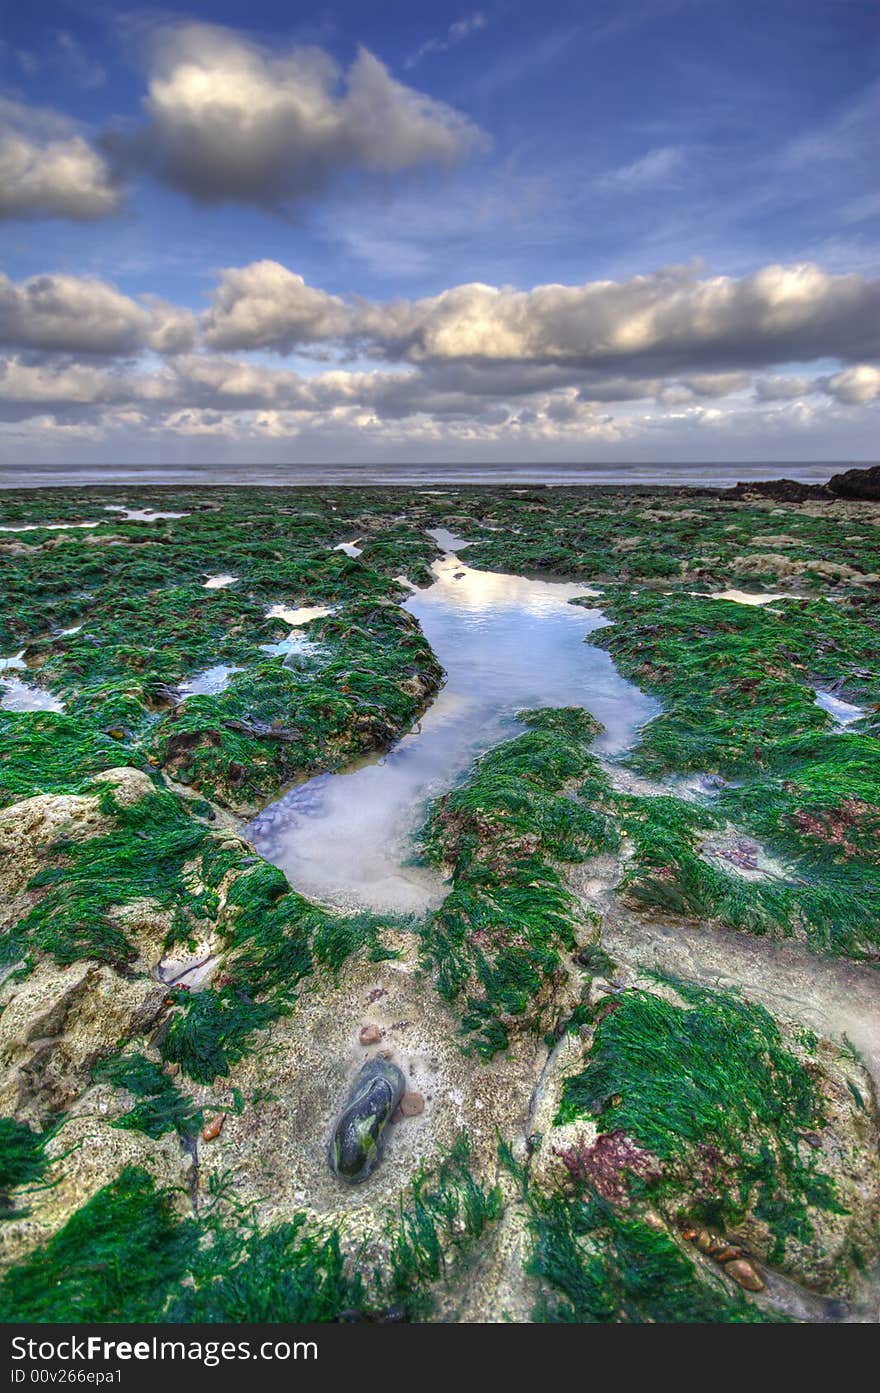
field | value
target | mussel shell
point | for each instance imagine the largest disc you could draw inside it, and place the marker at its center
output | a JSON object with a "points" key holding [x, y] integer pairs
{"points": [[358, 1137]]}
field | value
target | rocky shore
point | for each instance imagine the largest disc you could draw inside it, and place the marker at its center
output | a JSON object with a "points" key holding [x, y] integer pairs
{"points": [[552, 1125]]}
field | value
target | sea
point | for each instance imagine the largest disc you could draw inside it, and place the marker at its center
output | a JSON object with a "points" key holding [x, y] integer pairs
{"points": [[709, 473]]}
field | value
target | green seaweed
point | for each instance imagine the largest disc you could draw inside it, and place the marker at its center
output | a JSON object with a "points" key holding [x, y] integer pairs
{"points": [[496, 943], [126, 1256], [600, 1265], [22, 1159], [709, 1088], [117, 1258], [438, 1222], [160, 1106]]}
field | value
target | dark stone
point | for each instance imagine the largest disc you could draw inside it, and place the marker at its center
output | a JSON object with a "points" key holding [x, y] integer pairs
{"points": [[358, 1138], [779, 490], [857, 483]]}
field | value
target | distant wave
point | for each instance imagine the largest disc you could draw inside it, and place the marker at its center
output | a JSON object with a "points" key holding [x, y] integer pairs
{"points": [[709, 474]]}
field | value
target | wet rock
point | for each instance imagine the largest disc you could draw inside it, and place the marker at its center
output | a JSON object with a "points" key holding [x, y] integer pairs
{"points": [[741, 852], [57, 1023], [608, 1164], [370, 1035], [412, 1104], [358, 1138], [162, 691], [745, 1274], [212, 1129]]}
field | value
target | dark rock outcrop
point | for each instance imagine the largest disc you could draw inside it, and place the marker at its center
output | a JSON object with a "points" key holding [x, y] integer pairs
{"points": [[857, 483], [862, 484], [779, 490]]}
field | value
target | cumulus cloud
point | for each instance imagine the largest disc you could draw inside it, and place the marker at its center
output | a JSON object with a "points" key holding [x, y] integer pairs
{"points": [[558, 363], [48, 169], [264, 303], [76, 314], [856, 385], [672, 321], [58, 384], [230, 120], [671, 318]]}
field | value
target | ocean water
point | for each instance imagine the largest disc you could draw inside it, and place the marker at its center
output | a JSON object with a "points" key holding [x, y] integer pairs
{"points": [[429, 476]]}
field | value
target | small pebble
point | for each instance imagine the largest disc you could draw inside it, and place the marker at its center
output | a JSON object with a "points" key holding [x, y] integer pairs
{"points": [[411, 1104], [727, 1254], [370, 1035], [745, 1273]]}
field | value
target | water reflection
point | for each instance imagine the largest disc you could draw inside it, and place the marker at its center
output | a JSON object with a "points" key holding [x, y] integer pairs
{"points": [[507, 643]]}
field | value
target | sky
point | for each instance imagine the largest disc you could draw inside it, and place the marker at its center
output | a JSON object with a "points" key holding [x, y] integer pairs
{"points": [[613, 230]]}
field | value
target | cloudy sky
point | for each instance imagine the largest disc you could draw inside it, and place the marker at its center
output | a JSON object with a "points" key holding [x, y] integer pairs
{"points": [[606, 230]]}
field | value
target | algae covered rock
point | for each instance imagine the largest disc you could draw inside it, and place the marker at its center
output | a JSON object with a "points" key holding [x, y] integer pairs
{"points": [[358, 1137]]}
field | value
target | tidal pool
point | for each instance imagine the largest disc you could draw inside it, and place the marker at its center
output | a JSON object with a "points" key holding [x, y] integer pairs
{"points": [[16, 695], [208, 682], [507, 644], [844, 712]]}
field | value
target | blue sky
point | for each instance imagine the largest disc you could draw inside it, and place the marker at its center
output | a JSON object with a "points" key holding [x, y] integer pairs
{"points": [[694, 181]]}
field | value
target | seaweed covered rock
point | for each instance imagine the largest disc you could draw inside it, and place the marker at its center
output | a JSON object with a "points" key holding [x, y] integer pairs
{"points": [[57, 1023], [704, 1104], [499, 939], [359, 1135], [630, 1112]]}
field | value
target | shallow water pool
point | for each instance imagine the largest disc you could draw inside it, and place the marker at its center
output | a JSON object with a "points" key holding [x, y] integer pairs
{"points": [[507, 644]]}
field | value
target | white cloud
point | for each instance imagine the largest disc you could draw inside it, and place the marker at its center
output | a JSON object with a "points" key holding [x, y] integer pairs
{"points": [[475, 363], [264, 303], [48, 169], [230, 120], [29, 384], [74, 314], [672, 321], [716, 384], [856, 385]]}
